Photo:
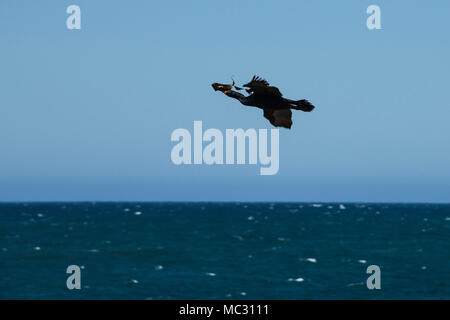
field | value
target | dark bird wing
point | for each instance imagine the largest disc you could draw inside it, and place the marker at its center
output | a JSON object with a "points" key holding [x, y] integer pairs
{"points": [[261, 87], [279, 118]]}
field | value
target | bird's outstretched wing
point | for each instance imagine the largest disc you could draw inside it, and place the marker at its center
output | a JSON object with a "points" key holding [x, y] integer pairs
{"points": [[279, 118], [261, 87]]}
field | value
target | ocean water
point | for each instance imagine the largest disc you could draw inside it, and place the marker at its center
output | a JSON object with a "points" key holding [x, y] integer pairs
{"points": [[224, 250]]}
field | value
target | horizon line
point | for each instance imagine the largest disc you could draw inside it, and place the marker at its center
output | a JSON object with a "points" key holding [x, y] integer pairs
{"points": [[221, 201]]}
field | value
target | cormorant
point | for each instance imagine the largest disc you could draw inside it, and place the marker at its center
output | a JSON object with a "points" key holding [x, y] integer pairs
{"points": [[264, 96]]}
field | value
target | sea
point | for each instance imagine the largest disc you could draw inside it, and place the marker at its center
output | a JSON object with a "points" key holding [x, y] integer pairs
{"points": [[127, 250]]}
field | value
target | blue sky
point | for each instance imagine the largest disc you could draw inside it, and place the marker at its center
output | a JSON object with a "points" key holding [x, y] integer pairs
{"points": [[87, 114]]}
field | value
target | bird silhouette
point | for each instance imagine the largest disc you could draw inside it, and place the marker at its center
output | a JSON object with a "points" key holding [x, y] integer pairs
{"points": [[264, 96]]}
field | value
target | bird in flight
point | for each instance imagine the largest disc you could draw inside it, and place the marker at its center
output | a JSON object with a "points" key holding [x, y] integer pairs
{"points": [[264, 96]]}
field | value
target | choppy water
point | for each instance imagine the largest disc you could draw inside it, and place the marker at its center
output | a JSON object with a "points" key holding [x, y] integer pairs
{"points": [[224, 250]]}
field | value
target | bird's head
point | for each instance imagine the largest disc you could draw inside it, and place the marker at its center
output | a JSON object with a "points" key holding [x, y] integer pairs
{"points": [[215, 86], [221, 87]]}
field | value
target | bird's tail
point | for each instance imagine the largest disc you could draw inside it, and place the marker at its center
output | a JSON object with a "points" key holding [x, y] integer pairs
{"points": [[303, 105]]}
